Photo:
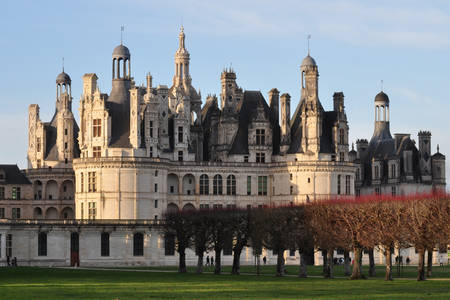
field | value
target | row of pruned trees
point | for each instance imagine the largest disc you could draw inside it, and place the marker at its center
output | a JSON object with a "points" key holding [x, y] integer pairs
{"points": [[351, 225]]}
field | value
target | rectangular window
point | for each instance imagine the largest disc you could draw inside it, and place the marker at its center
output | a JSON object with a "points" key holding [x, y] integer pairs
{"points": [[2, 192], [245, 158], [16, 193], [394, 191], [42, 244], [151, 129], [217, 206], [347, 184], [38, 163], [262, 185], [204, 206], [97, 151], [151, 151], [138, 244], [377, 191], [97, 127], [180, 134], [291, 190], [169, 244], [260, 137], [341, 156], [393, 173], [9, 245], [249, 185], [38, 144], [156, 187], [16, 213], [291, 176], [104, 251], [377, 172], [92, 182], [2, 212], [92, 210], [339, 184], [82, 182], [65, 145], [156, 203], [82, 210], [172, 189], [180, 155], [65, 131], [260, 157]]}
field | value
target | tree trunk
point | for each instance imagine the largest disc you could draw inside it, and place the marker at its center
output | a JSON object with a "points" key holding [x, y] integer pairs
{"points": [[357, 274], [302, 273], [324, 262], [258, 265], [280, 259], [347, 271], [329, 271], [388, 258], [429, 261], [371, 263], [200, 263], [217, 263], [421, 267], [182, 262], [236, 261]]}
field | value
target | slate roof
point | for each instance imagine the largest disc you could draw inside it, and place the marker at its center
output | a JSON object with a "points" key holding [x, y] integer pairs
{"points": [[13, 175], [51, 134], [118, 105]]}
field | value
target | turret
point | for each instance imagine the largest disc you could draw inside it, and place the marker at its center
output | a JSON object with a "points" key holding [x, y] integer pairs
{"points": [[228, 99]]}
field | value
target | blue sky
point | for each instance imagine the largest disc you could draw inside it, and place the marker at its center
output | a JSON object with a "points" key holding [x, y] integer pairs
{"points": [[355, 43]]}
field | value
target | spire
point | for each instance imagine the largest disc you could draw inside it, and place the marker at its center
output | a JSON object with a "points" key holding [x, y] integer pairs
{"points": [[122, 28], [308, 38], [181, 37], [63, 64], [437, 148]]}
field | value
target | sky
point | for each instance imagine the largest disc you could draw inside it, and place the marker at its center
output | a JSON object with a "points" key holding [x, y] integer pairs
{"points": [[356, 44]]}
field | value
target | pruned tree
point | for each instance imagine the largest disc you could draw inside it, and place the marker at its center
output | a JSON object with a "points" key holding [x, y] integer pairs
{"points": [[303, 237], [201, 233], [257, 233], [240, 230], [220, 221]]}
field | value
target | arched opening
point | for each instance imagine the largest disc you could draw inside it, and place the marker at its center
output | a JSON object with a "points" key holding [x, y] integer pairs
{"points": [[188, 184], [172, 184], [204, 184], [188, 207], [37, 213], [67, 190], [67, 213], [51, 190], [194, 118], [51, 213], [172, 208], [37, 187]]}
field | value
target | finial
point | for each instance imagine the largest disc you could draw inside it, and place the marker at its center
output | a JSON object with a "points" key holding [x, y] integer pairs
{"points": [[122, 28], [437, 148], [381, 84], [308, 38], [353, 146], [63, 64]]}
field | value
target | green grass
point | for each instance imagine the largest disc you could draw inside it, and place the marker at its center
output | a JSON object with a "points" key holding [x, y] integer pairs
{"points": [[41, 283]]}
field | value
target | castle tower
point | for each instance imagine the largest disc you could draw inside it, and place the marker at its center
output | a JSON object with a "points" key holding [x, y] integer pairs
{"points": [[227, 96], [382, 130], [181, 76], [425, 154], [285, 122]]}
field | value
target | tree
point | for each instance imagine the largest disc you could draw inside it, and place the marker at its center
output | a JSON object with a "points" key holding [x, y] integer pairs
{"points": [[240, 229], [303, 237], [220, 221], [257, 233], [201, 232], [178, 224]]}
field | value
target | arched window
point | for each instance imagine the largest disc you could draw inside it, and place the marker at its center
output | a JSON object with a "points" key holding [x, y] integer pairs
{"points": [[42, 244], [105, 244], [204, 185], [231, 185], [217, 185], [138, 244], [341, 136]]}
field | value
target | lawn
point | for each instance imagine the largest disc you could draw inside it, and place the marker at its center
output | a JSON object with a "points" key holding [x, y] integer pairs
{"points": [[41, 283]]}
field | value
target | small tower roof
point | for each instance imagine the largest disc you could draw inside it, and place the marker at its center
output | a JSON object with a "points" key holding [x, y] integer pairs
{"points": [[382, 97], [63, 78], [121, 51], [308, 61]]}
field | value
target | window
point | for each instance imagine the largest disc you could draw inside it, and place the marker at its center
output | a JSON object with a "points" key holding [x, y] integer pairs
{"points": [[82, 210], [262, 185], [64, 188], [16, 193], [357, 174], [377, 191], [92, 210], [65, 131], [217, 185], [81, 182], [138, 244], [245, 158], [260, 137], [151, 129], [393, 171], [347, 184], [42, 244], [2, 192], [231, 185], [172, 189], [97, 127], [204, 185], [9, 241], [156, 203], [151, 151], [65, 145], [217, 206], [16, 213], [156, 173], [341, 136], [180, 134], [291, 176], [260, 157], [228, 245], [358, 192], [38, 144], [97, 151], [292, 252], [156, 187], [104, 247], [2, 212], [291, 190], [341, 156], [394, 191], [309, 180], [339, 184], [377, 172], [92, 182], [249, 185], [204, 206], [180, 155], [38, 163], [169, 244]]}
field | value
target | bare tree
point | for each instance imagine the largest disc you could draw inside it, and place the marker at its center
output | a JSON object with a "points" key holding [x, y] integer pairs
{"points": [[201, 232], [240, 230]]}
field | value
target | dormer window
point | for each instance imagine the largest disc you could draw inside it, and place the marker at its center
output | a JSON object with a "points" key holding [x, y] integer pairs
{"points": [[341, 136], [97, 128], [376, 172], [260, 137]]}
